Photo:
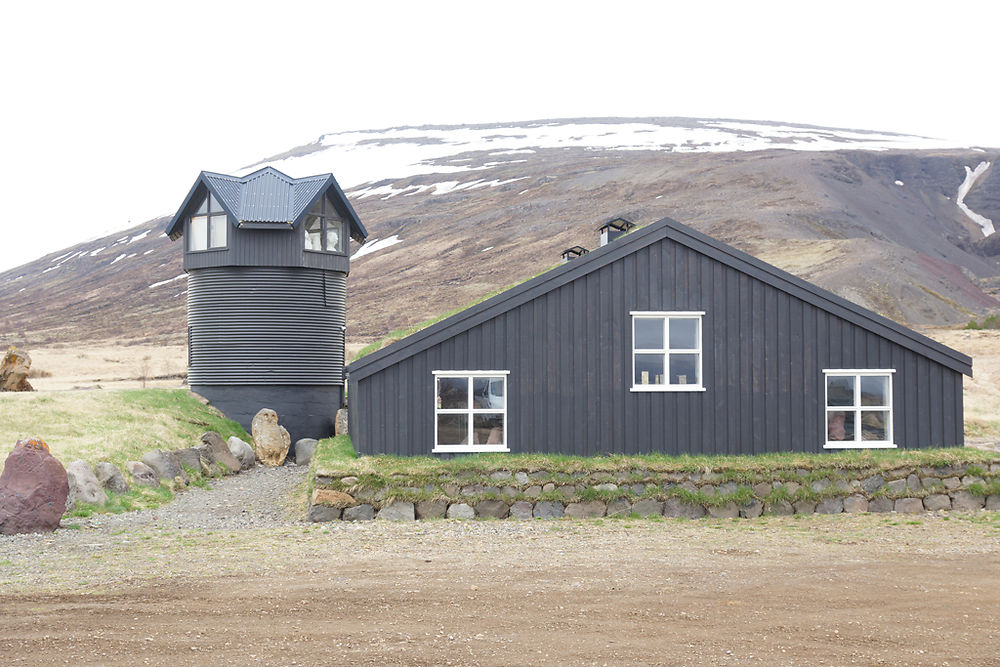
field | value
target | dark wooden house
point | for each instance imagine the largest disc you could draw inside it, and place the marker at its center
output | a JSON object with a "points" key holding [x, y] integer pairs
{"points": [[664, 340], [267, 258]]}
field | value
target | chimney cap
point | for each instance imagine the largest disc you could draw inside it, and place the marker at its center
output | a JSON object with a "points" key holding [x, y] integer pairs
{"points": [[574, 251], [618, 224]]}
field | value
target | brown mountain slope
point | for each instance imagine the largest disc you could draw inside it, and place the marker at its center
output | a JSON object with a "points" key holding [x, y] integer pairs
{"points": [[838, 219]]}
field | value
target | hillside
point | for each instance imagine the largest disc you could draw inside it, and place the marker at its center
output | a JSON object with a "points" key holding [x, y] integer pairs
{"points": [[457, 212]]}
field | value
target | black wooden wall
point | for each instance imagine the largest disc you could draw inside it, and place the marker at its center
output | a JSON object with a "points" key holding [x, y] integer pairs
{"points": [[569, 356]]}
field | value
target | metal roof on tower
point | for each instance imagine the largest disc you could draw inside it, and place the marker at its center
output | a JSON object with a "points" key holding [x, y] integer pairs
{"points": [[266, 198]]}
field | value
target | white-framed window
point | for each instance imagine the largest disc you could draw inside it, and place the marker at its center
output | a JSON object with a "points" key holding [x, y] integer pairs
{"points": [[209, 226], [470, 411], [858, 408], [666, 351], [324, 230]]}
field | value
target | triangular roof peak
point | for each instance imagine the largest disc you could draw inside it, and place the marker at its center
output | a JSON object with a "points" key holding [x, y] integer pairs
{"points": [[266, 198], [665, 228]]}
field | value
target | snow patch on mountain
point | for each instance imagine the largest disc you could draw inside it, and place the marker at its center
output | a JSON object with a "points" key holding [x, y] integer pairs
{"points": [[167, 282], [375, 245], [971, 177], [363, 157]]}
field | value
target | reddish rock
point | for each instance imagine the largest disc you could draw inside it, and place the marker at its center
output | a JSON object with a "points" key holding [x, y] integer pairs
{"points": [[33, 489]]}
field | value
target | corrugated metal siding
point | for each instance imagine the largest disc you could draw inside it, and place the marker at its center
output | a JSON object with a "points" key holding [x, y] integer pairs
{"points": [[264, 325], [569, 356], [266, 247]]}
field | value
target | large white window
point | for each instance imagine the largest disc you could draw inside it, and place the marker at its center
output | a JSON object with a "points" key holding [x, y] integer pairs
{"points": [[858, 408], [470, 411], [324, 230], [209, 227], [666, 351]]}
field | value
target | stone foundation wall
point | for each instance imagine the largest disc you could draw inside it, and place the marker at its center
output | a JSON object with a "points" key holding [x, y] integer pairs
{"points": [[503, 494]]}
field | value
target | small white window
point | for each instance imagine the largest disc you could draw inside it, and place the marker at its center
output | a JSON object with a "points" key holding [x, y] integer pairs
{"points": [[858, 408], [470, 411], [324, 230], [666, 351], [209, 226]]}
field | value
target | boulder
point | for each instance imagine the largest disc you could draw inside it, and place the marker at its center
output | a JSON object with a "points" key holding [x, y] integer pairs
{"points": [[618, 506], [937, 502], [320, 513], [855, 503], [461, 511], [963, 501], [216, 451], [492, 509], [340, 426], [590, 509], [164, 464], [548, 509], [909, 505], [359, 513], [242, 451], [521, 510], [726, 511], [752, 509], [142, 473], [33, 489], [879, 505], [84, 486], [304, 449], [270, 441], [190, 459], [648, 507], [431, 509], [14, 369], [398, 511], [676, 508], [111, 477], [331, 498], [779, 508], [830, 506]]}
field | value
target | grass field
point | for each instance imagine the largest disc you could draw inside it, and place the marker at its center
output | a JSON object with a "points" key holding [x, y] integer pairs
{"points": [[115, 426]]}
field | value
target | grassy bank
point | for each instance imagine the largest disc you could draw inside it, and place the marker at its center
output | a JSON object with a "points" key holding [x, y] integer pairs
{"points": [[115, 426], [336, 456]]}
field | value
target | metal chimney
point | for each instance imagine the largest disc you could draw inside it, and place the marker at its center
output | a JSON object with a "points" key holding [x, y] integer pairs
{"points": [[614, 228], [573, 253]]}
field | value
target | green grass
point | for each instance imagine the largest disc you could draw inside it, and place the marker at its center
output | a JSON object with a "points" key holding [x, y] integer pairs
{"points": [[399, 334], [340, 459], [115, 426]]}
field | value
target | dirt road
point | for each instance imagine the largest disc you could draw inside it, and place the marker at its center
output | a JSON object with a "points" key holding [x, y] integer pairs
{"points": [[794, 591]]}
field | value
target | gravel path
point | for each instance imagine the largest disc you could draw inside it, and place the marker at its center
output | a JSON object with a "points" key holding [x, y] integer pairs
{"points": [[263, 497], [256, 498]]}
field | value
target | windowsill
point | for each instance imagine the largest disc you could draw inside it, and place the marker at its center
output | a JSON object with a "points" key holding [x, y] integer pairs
{"points": [[468, 449], [667, 387], [860, 445], [326, 252], [216, 249]]}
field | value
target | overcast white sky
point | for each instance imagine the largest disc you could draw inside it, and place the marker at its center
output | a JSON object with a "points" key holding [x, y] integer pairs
{"points": [[110, 109]]}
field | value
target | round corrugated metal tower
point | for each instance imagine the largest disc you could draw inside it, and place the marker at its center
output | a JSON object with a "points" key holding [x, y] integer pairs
{"points": [[267, 263]]}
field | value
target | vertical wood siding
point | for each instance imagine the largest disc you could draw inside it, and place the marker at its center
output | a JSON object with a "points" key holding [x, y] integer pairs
{"points": [[569, 356]]}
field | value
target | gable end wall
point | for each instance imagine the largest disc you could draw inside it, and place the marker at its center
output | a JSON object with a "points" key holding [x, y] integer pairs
{"points": [[569, 356]]}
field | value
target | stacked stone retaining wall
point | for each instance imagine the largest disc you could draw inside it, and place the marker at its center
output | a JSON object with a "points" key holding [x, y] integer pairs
{"points": [[518, 494]]}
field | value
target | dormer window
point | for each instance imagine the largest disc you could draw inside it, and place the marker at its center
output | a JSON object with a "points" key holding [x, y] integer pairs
{"points": [[324, 230], [208, 227]]}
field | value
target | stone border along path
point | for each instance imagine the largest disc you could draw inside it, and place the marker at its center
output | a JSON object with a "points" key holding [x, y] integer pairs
{"points": [[503, 494], [257, 498]]}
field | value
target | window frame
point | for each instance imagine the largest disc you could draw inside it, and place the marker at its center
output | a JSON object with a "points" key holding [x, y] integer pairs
{"points": [[211, 214], [666, 351], [471, 411], [857, 408], [328, 217]]}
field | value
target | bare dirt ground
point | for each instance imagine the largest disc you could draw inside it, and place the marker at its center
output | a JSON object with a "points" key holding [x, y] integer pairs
{"points": [[879, 589]]}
